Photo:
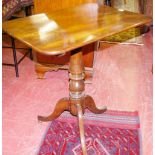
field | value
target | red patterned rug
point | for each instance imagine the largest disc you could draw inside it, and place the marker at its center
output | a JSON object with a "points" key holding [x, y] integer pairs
{"points": [[111, 133]]}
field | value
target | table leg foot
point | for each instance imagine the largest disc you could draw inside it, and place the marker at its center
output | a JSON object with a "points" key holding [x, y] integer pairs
{"points": [[60, 107], [90, 104], [81, 128]]}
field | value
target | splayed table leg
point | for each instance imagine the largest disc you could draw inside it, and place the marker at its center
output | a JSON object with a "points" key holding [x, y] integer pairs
{"points": [[77, 101]]}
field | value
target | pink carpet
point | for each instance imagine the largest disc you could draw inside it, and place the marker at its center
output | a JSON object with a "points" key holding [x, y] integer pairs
{"points": [[122, 81], [110, 133]]}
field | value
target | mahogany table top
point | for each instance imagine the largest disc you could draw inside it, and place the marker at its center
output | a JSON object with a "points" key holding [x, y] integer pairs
{"points": [[58, 32]]}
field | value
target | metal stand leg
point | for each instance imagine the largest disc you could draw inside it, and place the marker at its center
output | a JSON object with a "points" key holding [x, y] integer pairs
{"points": [[14, 56], [27, 12], [31, 55]]}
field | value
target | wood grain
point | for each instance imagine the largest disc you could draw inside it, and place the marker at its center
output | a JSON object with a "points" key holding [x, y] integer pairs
{"points": [[88, 50], [67, 29], [42, 6]]}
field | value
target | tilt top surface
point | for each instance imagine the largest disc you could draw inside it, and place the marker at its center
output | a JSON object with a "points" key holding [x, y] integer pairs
{"points": [[58, 32]]}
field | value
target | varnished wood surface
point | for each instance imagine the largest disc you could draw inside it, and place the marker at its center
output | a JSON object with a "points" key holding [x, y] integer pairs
{"points": [[88, 56], [42, 6], [67, 29]]}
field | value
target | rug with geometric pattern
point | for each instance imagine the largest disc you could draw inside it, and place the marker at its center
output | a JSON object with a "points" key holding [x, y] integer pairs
{"points": [[110, 133]]}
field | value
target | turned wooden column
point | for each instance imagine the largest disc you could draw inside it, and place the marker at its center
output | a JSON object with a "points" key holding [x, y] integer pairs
{"points": [[76, 91], [77, 101], [76, 82]]}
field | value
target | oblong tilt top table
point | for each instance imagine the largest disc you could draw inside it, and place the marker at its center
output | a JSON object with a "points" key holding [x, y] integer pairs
{"points": [[67, 30]]}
